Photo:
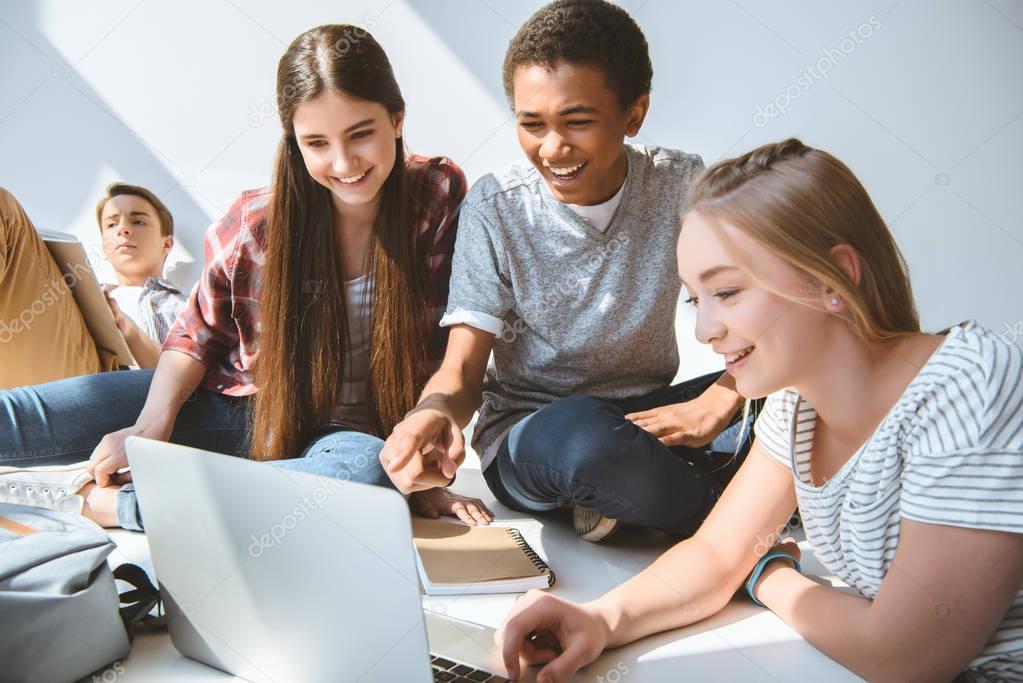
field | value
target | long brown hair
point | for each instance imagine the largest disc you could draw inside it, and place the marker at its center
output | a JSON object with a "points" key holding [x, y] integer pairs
{"points": [[305, 340], [800, 202]]}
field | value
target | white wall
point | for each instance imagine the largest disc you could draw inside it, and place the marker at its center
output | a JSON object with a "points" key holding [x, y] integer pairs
{"points": [[926, 106]]}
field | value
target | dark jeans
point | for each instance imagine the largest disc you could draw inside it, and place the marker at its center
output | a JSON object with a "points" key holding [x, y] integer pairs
{"points": [[581, 450], [60, 423]]}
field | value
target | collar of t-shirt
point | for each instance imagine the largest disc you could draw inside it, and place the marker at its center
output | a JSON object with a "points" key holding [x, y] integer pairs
{"points": [[599, 215]]}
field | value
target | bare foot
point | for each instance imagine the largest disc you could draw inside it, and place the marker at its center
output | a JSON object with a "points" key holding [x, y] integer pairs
{"points": [[100, 504], [435, 502]]}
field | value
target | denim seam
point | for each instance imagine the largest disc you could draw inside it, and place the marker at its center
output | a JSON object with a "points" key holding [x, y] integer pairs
{"points": [[54, 454], [631, 509]]}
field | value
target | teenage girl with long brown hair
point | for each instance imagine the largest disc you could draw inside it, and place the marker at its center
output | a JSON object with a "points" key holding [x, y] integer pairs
{"points": [[323, 291]]}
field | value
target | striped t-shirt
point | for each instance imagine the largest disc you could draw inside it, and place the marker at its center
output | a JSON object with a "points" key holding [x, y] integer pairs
{"points": [[950, 451]]}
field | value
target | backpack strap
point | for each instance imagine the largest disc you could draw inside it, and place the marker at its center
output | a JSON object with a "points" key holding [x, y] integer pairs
{"points": [[139, 601]]}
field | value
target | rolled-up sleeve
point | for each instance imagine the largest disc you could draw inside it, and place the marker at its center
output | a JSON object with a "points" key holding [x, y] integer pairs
{"points": [[205, 328], [481, 292]]}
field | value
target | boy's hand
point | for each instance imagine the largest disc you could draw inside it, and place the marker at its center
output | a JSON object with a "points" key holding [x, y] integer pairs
{"points": [[424, 450], [125, 324], [694, 423]]}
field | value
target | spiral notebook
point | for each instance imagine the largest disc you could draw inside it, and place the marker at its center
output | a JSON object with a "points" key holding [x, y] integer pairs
{"points": [[455, 559]]}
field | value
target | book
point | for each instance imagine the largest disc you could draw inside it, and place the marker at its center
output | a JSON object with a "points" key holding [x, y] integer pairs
{"points": [[69, 255], [455, 559]]}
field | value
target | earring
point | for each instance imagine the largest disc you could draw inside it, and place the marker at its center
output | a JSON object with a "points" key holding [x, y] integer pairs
{"points": [[834, 302]]}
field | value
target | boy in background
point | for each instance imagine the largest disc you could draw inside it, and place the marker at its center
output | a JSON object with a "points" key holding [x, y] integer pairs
{"points": [[138, 233]]}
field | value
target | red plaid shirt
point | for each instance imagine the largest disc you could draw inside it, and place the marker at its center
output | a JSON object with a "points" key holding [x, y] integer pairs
{"points": [[220, 324]]}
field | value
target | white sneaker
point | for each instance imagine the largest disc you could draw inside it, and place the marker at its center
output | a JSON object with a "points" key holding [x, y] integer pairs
{"points": [[52, 487], [591, 525]]}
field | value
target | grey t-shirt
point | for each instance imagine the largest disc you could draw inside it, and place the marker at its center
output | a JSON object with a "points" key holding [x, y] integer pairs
{"points": [[576, 311], [353, 403]]}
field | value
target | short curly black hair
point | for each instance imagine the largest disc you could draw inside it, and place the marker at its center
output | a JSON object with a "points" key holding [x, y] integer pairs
{"points": [[592, 32]]}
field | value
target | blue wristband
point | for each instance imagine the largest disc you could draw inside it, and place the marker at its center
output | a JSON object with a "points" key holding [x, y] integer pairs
{"points": [[751, 582]]}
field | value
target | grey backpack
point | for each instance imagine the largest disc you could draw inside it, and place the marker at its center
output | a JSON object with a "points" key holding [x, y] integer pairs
{"points": [[60, 613]]}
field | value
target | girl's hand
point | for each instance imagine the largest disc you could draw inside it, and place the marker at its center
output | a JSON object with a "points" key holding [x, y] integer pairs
{"points": [[109, 456], [544, 629], [435, 502], [789, 546]]}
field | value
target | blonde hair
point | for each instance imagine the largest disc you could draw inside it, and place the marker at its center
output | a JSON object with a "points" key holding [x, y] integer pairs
{"points": [[800, 203]]}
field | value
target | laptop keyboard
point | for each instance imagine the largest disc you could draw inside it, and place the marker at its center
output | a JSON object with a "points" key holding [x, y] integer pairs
{"points": [[452, 672]]}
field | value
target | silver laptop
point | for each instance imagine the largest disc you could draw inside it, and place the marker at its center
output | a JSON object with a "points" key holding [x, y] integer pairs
{"points": [[278, 576]]}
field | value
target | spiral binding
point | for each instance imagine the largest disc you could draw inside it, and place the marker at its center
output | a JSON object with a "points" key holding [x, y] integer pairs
{"points": [[531, 554]]}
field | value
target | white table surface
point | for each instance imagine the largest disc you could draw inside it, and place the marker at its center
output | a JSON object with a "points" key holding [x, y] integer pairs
{"points": [[742, 643]]}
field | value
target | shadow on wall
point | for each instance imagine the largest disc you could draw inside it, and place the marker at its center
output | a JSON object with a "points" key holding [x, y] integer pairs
{"points": [[492, 23], [50, 114]]}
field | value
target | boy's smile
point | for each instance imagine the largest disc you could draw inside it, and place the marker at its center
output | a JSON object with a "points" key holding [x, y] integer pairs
{"points": [[572, 128]]}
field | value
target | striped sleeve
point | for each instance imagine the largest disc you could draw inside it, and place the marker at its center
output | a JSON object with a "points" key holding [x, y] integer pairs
{"points": [[979, 486], [773, 427], [1002, 421]]}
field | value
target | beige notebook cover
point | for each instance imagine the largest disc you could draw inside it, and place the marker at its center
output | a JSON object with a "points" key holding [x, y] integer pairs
{"points": [[466, 559], [69, 255]]}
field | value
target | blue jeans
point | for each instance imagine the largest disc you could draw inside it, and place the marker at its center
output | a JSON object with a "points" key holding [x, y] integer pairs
{"points": [[61, 422], [581, 450]]}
